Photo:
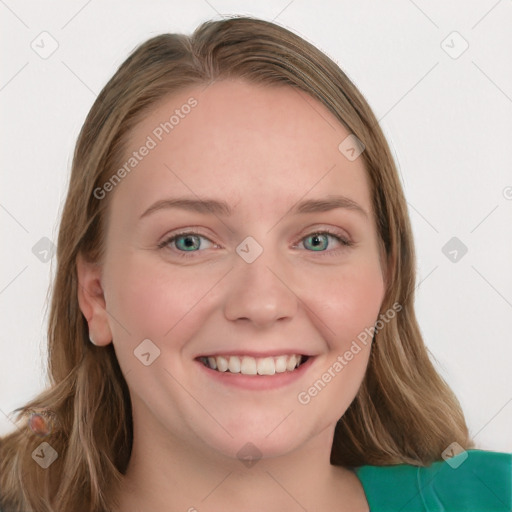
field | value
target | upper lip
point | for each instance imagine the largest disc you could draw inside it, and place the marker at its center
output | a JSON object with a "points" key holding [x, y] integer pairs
{"points": [[256, 354]]}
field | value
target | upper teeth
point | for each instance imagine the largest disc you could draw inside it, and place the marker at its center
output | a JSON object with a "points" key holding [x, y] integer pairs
{"points": [[253, 365]]}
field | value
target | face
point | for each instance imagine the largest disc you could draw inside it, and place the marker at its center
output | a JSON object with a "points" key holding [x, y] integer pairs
{"points": [[242, 238]]}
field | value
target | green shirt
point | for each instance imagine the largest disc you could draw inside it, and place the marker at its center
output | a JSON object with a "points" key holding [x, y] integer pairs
{"points": [[475, 480]]}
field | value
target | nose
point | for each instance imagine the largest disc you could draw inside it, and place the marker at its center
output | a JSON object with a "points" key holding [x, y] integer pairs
{"points": [[260, 292]]}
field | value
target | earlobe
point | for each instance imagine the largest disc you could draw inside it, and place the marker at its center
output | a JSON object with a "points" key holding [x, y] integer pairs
{"points": [[91, 300]]}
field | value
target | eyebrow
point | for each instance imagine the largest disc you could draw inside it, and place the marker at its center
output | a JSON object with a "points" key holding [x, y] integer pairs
{"points": [[219, 207]]}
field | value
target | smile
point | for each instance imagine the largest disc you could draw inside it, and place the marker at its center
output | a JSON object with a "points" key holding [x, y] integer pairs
{"points": [[247, 365]]}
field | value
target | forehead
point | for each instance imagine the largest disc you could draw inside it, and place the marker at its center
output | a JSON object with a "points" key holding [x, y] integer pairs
{"points": [[247, 142]]}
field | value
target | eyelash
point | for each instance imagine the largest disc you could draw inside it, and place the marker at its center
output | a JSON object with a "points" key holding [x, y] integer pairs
{"points": [[190, 254]]}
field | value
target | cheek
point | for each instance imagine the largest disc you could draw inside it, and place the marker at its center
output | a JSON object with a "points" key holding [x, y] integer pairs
{"points": [[147, 300], [348, 308], [348, 301]]}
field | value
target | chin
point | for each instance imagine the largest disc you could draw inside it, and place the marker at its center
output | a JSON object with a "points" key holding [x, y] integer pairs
{"points": [[252, 441]]}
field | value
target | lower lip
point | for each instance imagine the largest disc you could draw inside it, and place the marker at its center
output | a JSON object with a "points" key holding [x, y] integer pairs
{"points": [[257, 382]]}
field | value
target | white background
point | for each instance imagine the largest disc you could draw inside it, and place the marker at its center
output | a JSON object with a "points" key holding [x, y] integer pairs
{"points": [[448, 121]]}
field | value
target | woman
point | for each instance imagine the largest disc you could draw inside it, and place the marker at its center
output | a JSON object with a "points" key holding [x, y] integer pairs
{"points": [[232, 322]]}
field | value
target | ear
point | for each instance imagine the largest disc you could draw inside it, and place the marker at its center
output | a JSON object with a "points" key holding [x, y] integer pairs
{"points": [[92, 300]]}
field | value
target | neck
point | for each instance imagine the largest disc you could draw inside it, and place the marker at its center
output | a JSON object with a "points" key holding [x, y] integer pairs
{"points": [[165, 475]]}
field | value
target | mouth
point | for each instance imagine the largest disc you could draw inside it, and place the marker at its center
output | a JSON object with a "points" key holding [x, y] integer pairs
{"points": [[247, 365]]}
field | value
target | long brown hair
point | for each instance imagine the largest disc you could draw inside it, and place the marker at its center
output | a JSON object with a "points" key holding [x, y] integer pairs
{"points": [[404, 411]]}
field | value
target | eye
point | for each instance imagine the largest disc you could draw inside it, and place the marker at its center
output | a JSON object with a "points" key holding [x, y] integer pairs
{"points": [[319, 241], [183, 243]]}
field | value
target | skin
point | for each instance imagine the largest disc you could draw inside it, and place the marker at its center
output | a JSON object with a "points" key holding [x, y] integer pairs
{"points": [[260, 149]]}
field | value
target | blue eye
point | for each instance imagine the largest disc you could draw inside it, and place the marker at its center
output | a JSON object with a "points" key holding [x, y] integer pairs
{"points": [[185, 244], [318, 242]]}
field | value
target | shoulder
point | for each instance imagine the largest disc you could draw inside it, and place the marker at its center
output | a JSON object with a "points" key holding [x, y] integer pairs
{"points": [[474, 480]]}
